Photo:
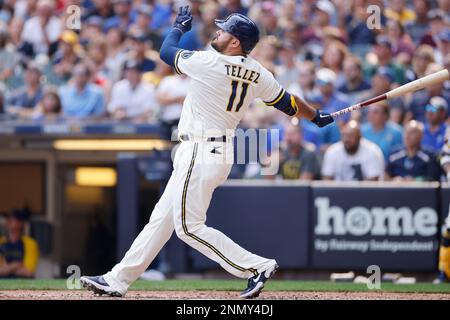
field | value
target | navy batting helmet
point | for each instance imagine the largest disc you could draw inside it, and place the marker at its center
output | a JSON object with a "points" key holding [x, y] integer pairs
{"points": [[242, 28]]}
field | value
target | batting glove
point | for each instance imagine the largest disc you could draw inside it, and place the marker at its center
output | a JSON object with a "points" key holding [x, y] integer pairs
{"points": [[322, 119], [183, 22]]}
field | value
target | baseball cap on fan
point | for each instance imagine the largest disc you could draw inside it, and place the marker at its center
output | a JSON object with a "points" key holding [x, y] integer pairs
{"points": [[325, 6], [436, 103], [444, 35], [325, 76], [387, 73], [436, 14], [383, 40]]}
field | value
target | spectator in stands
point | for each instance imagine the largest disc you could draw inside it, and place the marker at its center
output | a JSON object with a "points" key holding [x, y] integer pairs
{"points": [[312, 35], [354, 84], [139, 44], [382, 82], [287, 13], [122, 15], [435, 126], [115, 53], [19, 254], [92, 29], [359, 35], [412, 162], [402, 45], [437, 23], [15, 29], [304, 87], [333, 58], [171, 92], [22, 103], [232, 6], [96, 62], [133, 98], [49, 109], [330, 100], [297, 159], [385, 134], [419, 27], [68, 54], [397, 10], [7, 56], [353, 158], [81, 98], [287, 71], [100, 8], [422, 58], [141, 26], [383, 51], [269, 20], [161, 71], [421, 98], [443, 44], [41, 32]]}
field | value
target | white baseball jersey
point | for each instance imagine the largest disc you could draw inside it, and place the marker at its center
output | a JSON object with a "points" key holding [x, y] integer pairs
{"points": [[221, 89]]}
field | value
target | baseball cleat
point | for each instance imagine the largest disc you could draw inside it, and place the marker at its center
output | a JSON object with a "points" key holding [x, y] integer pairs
{"points": [[442, 278], [99, 286], [256, 283]]}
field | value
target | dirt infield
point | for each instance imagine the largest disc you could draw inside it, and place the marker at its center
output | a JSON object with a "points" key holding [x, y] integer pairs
{"points": [[225, 295]]}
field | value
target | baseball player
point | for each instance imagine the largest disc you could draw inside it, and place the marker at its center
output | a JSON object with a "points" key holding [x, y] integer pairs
{"points": [[223, 82], [444, 250]]}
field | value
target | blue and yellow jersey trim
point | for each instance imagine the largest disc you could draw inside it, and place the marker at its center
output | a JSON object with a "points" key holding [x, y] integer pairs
{"points": [[175, 62], [284, 102], [277, 98]]}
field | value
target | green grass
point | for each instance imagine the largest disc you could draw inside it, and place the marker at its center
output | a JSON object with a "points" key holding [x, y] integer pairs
{"points": [[233, 285]]}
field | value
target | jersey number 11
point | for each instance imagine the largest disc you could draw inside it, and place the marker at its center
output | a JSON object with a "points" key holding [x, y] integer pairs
{"points": [[234, 85]]}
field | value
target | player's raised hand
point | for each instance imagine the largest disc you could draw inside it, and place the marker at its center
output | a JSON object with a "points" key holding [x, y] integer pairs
{"points": [[183, 22], [322, 119]]}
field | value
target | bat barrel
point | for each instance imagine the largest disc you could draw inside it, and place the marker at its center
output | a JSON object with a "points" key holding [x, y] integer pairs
{"points": [[436, 77], [415, 85]]}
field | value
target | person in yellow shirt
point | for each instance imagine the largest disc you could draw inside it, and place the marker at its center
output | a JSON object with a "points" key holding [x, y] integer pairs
{"points": [[19, 254], [397, 10]]}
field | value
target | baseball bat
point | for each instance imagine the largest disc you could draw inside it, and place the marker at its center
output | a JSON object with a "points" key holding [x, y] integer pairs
{"points": [[412, 86]]}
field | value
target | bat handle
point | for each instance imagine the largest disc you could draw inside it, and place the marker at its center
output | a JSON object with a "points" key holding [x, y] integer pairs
{"points": [[359, 105], [346, 110]]}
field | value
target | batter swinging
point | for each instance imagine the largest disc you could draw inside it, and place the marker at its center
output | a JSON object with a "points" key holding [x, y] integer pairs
{"points": [[223, 82]]}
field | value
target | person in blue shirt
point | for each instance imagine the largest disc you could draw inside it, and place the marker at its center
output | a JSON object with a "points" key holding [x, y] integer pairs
{"points": [[139, 44], [330, 100], [122, 15], [413, 162], [421, 98], [387, 135], [354, 84], [435, 127], [25, 99], [82, 99]]}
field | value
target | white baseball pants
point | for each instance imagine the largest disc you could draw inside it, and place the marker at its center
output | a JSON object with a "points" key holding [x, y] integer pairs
{"points": [[198, 170]]}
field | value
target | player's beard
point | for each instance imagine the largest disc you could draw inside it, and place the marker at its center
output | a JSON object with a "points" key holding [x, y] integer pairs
{"points": [[216, 46], [219, 46]]}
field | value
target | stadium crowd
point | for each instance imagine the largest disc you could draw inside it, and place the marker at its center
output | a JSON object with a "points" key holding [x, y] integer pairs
{"points": [[332, 53]]}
